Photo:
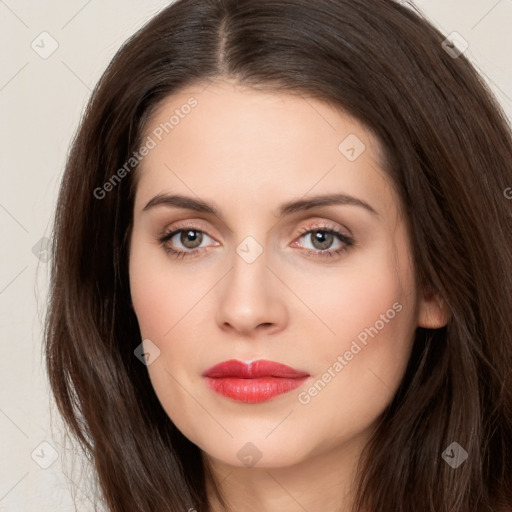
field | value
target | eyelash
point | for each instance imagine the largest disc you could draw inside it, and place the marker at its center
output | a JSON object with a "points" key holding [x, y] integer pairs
{"points": [[347, 241]]}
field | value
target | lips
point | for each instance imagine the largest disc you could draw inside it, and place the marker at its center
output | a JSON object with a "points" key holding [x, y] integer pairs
{"points": [[254, 370], [253, 382]]}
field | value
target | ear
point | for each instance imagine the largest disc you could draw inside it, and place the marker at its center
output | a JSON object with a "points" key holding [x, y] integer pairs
{"points": [[433, 311]]}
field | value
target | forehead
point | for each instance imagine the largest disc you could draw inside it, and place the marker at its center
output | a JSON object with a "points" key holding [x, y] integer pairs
{"points": [[227, 108], [235, 138]]}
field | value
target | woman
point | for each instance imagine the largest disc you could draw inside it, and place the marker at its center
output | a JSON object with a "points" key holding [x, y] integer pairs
{"points": [[281, 274]]}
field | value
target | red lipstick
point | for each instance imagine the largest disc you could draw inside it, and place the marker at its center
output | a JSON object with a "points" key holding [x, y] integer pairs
{"points": [[253, 382]]}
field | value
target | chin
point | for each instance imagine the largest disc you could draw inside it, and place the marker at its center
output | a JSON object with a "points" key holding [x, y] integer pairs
{"points": [[255, 454]]}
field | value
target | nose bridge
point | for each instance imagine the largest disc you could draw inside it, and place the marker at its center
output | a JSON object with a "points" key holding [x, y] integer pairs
{"points": [[249, 278], [250, 265], [249, 297]]}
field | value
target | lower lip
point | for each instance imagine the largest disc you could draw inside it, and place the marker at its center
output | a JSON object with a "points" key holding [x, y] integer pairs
{"points": [[253, 391]]}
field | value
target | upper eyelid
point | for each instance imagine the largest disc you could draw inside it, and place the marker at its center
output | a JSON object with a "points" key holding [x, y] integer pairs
{"points": [[195, 225], [323, 226]]}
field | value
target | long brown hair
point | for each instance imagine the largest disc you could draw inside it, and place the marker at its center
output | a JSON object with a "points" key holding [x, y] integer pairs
{"points": [[448, 150]]}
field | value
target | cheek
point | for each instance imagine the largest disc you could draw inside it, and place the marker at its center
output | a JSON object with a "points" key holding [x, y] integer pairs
{"points": [[367, 315], [358, 370], [160, 296], [373, 315], [354, 296], [163, 302]]}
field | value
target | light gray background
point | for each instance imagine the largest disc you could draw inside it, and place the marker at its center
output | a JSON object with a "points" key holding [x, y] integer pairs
{"points": [[41, 102]]}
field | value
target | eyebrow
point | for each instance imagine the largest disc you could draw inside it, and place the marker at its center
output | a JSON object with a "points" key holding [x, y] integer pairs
{"points": [[288, 208]]}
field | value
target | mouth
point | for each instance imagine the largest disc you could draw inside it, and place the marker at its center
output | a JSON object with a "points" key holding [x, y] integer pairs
{"points": [[254, 382]]}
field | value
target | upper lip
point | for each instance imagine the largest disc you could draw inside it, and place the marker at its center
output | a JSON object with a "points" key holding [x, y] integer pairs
{"points": [[253, 370]]}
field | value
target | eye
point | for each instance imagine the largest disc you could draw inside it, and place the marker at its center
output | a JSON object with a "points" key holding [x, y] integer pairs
{"points": [[322, 238], [190, 239]]}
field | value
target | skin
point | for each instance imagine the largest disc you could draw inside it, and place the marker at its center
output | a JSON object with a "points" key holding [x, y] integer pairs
{"points": [[247, 152]]}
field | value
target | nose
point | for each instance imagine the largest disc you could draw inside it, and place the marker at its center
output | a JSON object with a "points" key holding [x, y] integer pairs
{"points": [[251, 298]]}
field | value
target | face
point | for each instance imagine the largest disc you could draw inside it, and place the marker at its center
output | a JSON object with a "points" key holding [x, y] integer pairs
{"points": [[326, 288]]}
